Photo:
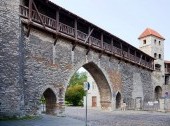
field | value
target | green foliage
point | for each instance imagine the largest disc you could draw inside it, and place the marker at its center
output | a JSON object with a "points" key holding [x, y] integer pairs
{"points": [[74, 95], [78, 79], [42, 100], [20, 118], [75, 91]]}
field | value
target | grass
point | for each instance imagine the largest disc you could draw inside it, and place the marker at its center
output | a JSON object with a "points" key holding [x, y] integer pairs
{"points": [[20, 118]]}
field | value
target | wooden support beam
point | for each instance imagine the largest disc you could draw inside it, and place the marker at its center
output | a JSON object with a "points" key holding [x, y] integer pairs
{"points": [[56, 39], [38, 14], [74, 46], [90, 44], [88, 50], [28, 30], [88, 35]]}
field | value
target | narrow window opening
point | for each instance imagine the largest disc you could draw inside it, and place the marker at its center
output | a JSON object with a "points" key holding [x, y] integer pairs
{"points": [[159, 42], [144, 41], [155, 41]]}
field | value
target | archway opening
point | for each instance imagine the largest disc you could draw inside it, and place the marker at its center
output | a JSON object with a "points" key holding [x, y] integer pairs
{"points": [[48, 101], [118, 100], [158, 92], [103, 98]]}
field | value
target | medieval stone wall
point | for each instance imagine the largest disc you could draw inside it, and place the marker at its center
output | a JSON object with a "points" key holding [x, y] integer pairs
{"points": [[30, 65], [11, 91], [47, 65]]}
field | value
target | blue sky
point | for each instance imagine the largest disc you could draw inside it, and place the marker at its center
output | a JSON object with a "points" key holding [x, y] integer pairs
{"points": [[126, 19]]}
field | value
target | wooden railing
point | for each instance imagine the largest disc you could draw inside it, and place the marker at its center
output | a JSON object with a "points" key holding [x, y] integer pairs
{"points": [[81, 35], [24, 11], [107, 46], [95, 41], [66, 29], [70, 31], [131, 57], [117, 50], [125, 54]]}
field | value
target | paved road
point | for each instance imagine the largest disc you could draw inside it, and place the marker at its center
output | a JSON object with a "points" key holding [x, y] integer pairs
{"points": [[76, 117]]}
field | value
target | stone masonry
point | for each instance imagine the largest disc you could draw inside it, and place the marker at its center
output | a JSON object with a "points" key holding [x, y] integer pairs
{"points": [[31, 65]]}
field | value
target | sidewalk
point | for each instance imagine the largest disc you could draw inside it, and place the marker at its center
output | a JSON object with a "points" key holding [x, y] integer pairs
{"points": [[46, 120]]}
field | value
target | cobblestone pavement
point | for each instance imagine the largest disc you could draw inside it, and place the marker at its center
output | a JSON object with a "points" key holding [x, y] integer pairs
{"points": [[76, 117], [120, 118]]}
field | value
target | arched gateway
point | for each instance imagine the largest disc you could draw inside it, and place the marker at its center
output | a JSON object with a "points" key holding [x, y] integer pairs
{"points": [[102, 83]]}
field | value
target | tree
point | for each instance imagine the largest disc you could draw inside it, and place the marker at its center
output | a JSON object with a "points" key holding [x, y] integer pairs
{"points": [[75, 92], [78, 79]]}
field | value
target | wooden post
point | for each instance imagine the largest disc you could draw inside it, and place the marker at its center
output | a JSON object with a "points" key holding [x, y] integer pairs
{"points": [[30, 10], [57, 21], [102, 41], [128, 55], [135, 56], [112, 45], [29, 17], [75, 28], [121, 49]]}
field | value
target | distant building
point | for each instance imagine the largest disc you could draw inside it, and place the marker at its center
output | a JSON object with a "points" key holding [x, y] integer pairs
{"points": [[93, 99]]}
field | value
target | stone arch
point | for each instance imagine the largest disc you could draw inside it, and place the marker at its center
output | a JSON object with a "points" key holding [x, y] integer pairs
{"points": [[158, 92], [118, 100], [50, 101], [102, 83]]}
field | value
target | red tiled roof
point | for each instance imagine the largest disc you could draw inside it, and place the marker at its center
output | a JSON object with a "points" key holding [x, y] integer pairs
{"points": [[149, 32]]}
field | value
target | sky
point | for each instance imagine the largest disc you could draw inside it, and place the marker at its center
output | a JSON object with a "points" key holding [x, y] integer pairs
{"points": [[126, 19]]}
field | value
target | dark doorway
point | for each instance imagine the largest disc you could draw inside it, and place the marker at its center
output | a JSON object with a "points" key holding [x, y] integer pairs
{"points": [[118, 100], [50, 101], [158, 92]]}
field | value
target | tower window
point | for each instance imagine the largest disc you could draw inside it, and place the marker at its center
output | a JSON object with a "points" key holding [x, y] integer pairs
{"points": [[144, 41], [159, 42], [155, 55], [159, 56], [157, 67], [155, 41]]}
